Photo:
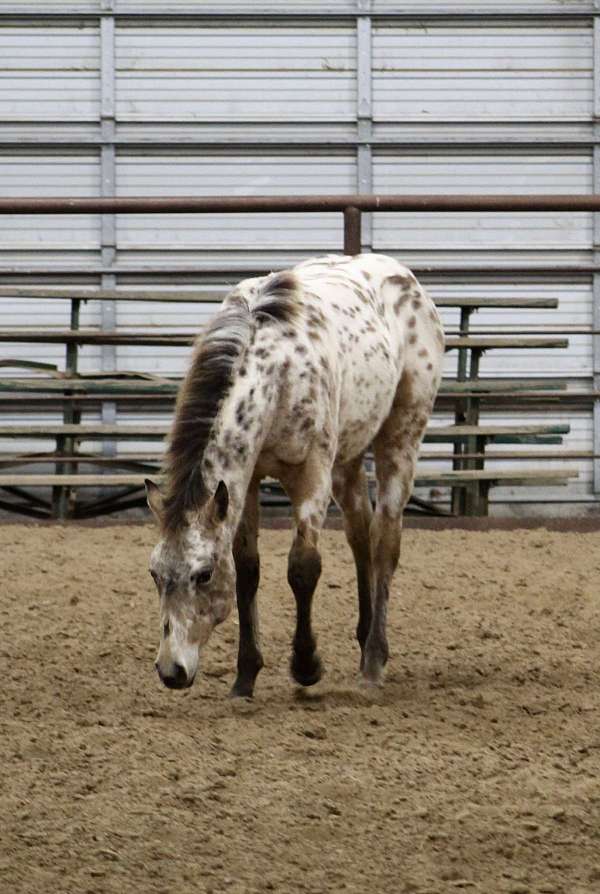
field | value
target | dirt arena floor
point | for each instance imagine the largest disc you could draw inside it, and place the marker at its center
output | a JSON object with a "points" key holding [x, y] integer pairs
{"points": [[476, 768]]}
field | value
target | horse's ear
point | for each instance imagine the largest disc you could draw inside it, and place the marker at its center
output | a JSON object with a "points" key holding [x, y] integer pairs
{"points": [[155, 499], [221, 502]]}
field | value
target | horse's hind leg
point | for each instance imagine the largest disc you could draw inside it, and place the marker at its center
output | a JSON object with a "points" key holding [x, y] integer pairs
{"points": [[351, 493], [247, 565], [309, 489], [395, 448]]}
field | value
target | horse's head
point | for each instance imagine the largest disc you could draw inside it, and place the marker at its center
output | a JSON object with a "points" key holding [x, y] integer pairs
{"points": [[194, 573]]}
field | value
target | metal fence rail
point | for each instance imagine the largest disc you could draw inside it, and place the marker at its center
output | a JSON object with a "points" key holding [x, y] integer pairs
{"points": [[352, 206]]}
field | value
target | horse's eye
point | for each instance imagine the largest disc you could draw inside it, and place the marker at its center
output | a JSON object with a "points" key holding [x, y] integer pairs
{"points": [[202, 577]]}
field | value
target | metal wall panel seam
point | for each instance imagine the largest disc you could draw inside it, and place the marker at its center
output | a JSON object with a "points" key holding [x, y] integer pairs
{"points": [[108, 232], [434, 141], [364, 108], [244, 15]]}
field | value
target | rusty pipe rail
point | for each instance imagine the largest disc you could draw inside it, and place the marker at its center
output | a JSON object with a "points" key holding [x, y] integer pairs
{"points": [[284, 204], [352, 206]]}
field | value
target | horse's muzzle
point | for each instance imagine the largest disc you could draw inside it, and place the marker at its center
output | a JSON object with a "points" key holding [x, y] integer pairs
{"points": [[176, 679]]}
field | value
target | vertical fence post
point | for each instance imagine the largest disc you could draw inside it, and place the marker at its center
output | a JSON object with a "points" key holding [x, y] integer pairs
{"points": [[352, 231], [364, 111], [460, 410], [65, 445], [108, 188]]}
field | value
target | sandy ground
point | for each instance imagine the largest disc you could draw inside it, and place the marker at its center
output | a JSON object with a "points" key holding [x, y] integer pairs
{"points": [[476, 767]]}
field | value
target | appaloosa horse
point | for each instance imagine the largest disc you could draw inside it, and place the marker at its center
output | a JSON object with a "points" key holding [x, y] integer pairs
{"points": [[296, 376]]}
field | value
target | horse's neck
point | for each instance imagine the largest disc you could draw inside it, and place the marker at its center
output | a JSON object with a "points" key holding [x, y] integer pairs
{"points": [[240, 429]]}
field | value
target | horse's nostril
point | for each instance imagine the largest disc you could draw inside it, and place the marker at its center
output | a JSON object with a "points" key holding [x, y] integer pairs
{"points": [[180, 675], [178, 679]]}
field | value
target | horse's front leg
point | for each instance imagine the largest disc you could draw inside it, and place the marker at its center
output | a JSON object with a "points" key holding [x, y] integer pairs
{"points": [[247, 565], [309, 489]]}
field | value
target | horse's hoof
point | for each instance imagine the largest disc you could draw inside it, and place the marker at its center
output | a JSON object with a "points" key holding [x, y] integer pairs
{"points": [[369, 684], [371, 674], [306, 671], [241, 689]]}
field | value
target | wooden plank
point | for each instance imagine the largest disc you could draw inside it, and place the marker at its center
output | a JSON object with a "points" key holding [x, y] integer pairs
{"points": [[148, 385], [183, 339], [511, 455], [123, 459], [490, 301], [514, 439], [108, 388], [46, 401], [86, 431], [156, 458], [91, 386], [485, 343], [449, 386], [546, 481], [127, 479], [143, 431], [494, 430], [90, 294], [137, 480], [500, 474], [514, 331], [29, 364], [86, 293], [96, 337]]}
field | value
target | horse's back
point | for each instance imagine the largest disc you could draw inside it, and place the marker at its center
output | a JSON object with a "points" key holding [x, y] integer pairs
{"points": [[383, 326], [363, 323]]}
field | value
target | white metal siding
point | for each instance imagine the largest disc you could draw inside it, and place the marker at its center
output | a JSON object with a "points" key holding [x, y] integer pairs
{"points": [[49, 73], [238, 175], [499, 172], [68, 174], [478, 72], [242, 73], [422, 7]]}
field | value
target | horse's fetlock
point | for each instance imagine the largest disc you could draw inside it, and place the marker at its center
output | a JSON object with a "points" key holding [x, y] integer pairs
{"points": [[362, 632], [376, 653]]}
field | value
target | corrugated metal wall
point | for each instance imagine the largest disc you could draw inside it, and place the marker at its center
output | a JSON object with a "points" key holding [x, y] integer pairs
{"points": [[144, 97]]}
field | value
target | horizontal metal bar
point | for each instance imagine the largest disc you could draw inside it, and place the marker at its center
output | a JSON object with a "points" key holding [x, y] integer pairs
{"points": [[584, 10], [295, 204], [233, 272]]}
